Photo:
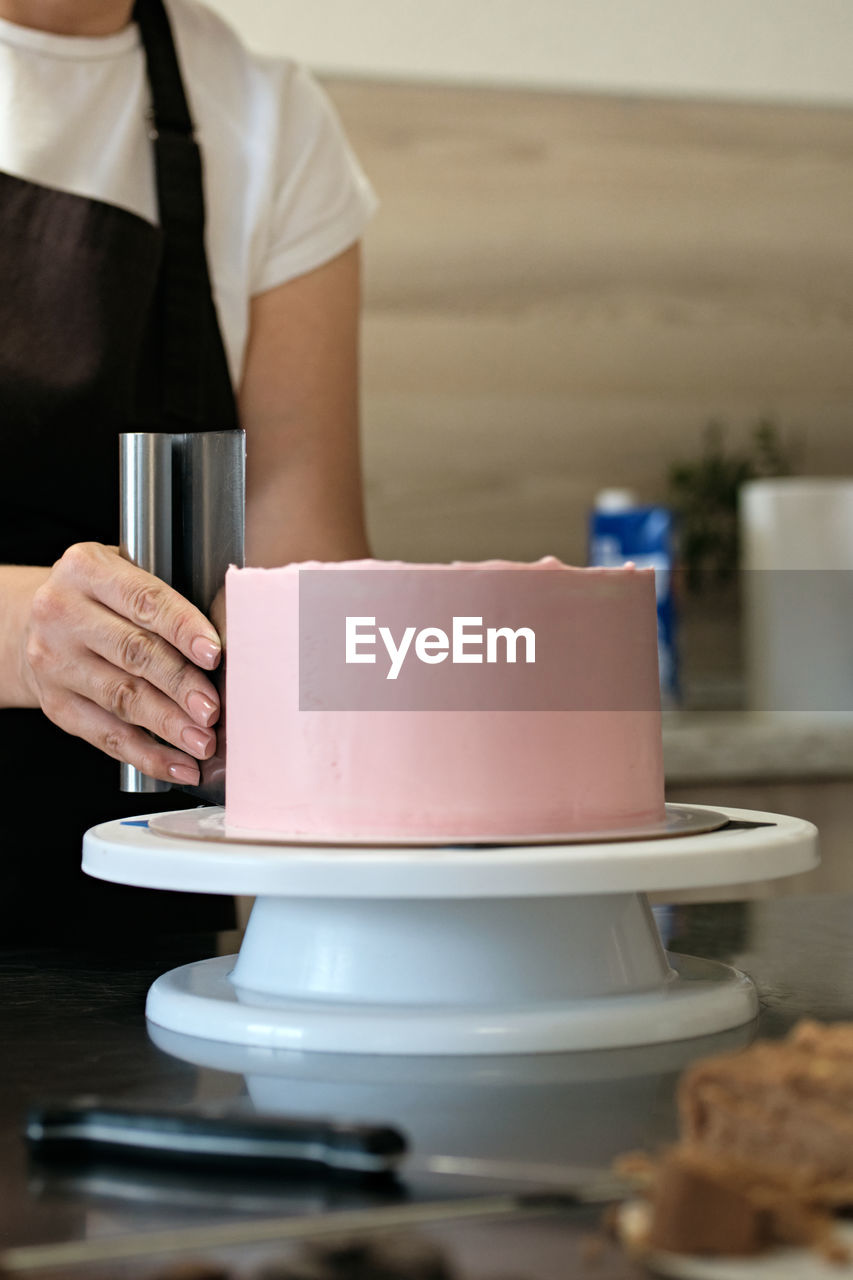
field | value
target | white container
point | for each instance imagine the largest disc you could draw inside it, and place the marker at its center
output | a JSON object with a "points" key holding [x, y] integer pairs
{"points": [[797, 553]]}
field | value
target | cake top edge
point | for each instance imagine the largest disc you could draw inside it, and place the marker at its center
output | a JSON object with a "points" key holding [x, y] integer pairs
{"points": [[546, 562]]}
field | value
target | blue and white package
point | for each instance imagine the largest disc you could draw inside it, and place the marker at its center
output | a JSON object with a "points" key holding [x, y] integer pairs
{"points": [[622, 529]]}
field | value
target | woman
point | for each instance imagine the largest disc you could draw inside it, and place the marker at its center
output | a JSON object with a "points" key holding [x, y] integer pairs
{"points": [[107, 324]]}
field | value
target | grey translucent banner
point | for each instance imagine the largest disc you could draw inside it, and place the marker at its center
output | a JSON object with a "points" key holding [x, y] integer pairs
{"points": [[797, 638], [592, 644]]}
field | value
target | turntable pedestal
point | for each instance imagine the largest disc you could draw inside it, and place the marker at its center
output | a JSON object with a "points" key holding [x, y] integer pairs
{"points": [[462, 950]]}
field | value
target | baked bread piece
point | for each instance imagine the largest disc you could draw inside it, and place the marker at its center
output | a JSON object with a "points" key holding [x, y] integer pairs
{"points": [[765, 1154], [705, 1204], [785, 1106]]}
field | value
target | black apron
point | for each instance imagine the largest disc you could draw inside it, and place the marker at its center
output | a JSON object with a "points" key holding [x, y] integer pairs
{"points": [[107, 324]]}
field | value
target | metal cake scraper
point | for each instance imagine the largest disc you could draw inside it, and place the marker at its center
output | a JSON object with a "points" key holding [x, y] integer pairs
{"points": [[182, 511]]}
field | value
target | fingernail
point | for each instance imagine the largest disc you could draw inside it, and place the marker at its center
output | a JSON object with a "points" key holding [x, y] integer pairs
{"points": [[184, 773], [201, 708], [205, 651], [197, 742]]}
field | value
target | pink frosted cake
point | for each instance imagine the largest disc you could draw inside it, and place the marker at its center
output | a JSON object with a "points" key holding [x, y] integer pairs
{"points": [[339, 727]]}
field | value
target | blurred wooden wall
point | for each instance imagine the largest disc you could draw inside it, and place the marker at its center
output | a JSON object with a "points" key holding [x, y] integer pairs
{"points": [[563, 289]]}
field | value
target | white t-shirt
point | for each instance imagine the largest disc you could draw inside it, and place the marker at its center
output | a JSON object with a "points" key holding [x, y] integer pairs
{"points": [[283, 191]]}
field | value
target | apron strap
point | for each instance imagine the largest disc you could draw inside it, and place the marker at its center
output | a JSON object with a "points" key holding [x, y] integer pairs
{"points": [[189, 323]]}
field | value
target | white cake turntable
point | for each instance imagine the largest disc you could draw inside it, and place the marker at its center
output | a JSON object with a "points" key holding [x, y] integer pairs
{"points": [[471, 948]]}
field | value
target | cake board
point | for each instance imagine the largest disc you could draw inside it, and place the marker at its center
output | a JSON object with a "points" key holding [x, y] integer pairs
{"points": [[466, 949]]}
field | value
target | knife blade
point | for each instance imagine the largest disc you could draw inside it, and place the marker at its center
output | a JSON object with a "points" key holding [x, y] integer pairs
{"points": [[311, 1227], [281, 1144]]}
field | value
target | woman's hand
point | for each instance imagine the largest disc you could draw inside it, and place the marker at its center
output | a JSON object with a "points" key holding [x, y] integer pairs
{"points": [[109, 651]]}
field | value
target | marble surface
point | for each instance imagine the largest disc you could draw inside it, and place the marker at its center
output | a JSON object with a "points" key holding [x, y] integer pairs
{"points": [[710, 746]]}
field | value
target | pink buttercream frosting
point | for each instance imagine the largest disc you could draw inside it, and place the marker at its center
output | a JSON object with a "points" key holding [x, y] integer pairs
{"points": [[590, 764]]}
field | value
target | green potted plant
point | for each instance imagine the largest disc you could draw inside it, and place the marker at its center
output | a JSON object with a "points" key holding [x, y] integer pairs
{"points": [[704, 494]]}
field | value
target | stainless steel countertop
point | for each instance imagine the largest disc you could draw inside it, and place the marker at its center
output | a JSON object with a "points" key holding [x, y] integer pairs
{"points": [[72, 1023]]}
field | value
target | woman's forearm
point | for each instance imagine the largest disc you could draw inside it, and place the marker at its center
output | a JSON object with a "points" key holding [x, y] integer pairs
{"points": [[18, 585]]}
